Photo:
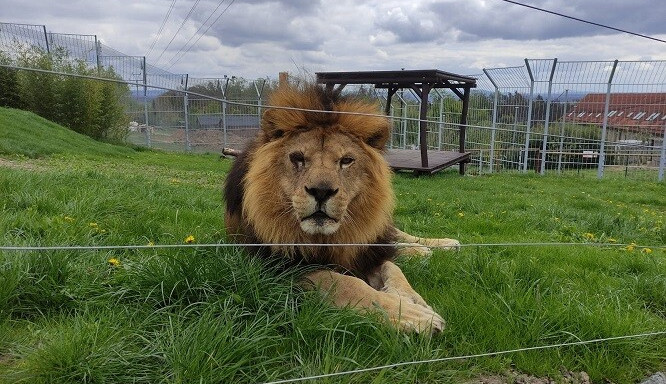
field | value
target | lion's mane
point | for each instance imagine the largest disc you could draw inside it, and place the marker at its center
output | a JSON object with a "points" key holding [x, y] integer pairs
{"points": [[258, 209]]}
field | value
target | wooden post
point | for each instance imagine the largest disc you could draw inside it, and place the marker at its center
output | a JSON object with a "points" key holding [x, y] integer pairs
{"points": [[389, 96], [423, 125], [463, 127]]}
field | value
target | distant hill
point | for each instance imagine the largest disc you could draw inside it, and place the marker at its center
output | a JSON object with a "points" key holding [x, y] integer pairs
{"points": [[24, 133], [151, 94]]}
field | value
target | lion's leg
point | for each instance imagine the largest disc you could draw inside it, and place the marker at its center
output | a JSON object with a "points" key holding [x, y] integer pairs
{"points": [[349, 291], [389, 278], [419, 246]]}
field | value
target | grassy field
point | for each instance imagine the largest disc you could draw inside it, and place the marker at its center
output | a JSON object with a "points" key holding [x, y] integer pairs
{"points": [[208, 315]]}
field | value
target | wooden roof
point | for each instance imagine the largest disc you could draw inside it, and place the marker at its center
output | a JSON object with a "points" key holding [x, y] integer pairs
{"points": [[401, 79]]}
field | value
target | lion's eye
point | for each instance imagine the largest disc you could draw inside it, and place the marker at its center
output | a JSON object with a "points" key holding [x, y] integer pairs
{"points": [[346, 161], [297, 159]]}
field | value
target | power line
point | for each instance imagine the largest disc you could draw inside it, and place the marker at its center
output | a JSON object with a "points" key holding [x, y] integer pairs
{"points": [[159, 32], [202, 35], [198, 30], [585, 21], [187, 17]]}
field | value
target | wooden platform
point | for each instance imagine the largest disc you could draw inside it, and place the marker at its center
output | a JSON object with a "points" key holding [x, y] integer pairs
{"points": [[410, 160]]}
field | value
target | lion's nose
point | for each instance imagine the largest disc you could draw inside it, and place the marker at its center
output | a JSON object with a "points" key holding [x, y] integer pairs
{"points": [[321, 193]]}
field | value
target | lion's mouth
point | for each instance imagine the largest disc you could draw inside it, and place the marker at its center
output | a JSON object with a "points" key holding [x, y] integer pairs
{"points": [[319, 223], [320, 217]]}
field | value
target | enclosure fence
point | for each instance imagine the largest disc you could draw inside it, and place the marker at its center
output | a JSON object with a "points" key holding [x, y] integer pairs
{"points": [[544, 116]]}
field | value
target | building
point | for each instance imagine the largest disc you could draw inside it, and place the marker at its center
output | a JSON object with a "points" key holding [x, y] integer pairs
{"points": [[631, 116]]}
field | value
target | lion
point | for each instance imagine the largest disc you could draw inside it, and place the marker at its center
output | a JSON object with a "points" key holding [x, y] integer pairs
{"points": [[316, 174]]}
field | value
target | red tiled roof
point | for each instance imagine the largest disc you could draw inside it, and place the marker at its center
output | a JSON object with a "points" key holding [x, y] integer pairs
{"points": [[641, 112]]}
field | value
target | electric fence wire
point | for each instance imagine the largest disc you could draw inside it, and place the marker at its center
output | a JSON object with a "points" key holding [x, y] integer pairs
{"points": [[257, 245], [221, 100], [474, 356], [224, 101]]}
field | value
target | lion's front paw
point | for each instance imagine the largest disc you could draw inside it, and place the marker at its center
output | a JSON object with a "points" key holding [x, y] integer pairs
{"points": [[417, 318], [410, 296], [448, 244], [414, 250]]}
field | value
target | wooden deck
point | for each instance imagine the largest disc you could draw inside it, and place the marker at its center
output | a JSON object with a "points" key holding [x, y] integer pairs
{"points": [[410, 160]]}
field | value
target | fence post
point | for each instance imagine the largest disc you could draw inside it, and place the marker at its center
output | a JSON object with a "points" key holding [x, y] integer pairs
{"points": [[440, 124], [662, 158], [403, 123], [602, 146], [187, 117], [46, 39], [544, 146], [98, 53], [260, 91], [529, 117], [224, 105], [564, 117], [145, 100], [493, 127]]}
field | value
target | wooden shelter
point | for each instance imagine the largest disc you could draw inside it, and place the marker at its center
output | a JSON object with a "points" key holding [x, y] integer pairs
{"points": [[421, 82]]}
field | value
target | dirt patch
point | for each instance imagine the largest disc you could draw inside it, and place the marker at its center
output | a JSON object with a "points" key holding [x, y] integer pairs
{"points": [[13, 164], [514, 377], [213, 139]]}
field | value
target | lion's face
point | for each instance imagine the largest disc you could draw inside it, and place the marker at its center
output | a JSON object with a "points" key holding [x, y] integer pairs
{"points": [[315, 177], [323, 173]]}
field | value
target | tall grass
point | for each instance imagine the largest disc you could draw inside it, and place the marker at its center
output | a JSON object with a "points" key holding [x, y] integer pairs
{"points": [[215, 315]]}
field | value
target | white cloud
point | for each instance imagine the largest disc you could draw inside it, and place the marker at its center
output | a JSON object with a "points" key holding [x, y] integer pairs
{"points": [[258, 38]]}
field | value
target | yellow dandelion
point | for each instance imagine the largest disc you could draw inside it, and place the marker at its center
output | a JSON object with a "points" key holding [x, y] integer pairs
{"points": [[460, 214], [612, 240], [93, 225], [189, 239], [68, 219], [150, 243], [589, 236], [114, 262], [646, 250]]}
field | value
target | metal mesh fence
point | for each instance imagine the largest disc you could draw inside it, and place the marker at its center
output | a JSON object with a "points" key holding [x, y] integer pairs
{"points": [[543, 116]]}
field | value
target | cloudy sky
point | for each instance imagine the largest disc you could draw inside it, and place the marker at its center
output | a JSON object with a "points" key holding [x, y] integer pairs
{"points": [[259, 38]]}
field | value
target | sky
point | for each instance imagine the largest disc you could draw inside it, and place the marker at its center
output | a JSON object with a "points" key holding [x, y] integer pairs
{"points": [[259, 38]]}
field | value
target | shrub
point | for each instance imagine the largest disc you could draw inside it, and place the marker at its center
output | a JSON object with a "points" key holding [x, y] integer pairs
{"points": [[87, 106]]}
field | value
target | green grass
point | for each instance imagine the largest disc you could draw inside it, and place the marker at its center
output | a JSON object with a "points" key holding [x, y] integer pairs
{"points": [[215, 315]]}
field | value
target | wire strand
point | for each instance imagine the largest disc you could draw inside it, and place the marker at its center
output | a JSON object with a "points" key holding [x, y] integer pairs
{"points": [[224, 101], [487, 354], [257, 245], [585, 21], [159, 32]]}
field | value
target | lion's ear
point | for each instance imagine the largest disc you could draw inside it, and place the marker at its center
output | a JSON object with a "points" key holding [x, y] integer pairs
{"points": [[269, 125], [378, 139], [374, 131]]}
